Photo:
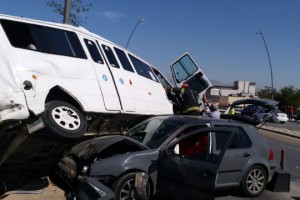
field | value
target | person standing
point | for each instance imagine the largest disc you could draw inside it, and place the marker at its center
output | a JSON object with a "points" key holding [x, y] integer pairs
{"points": [[213, 107], [214, 111], [291, 112]]}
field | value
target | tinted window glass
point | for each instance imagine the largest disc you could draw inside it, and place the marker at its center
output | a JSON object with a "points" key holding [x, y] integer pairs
{"points": [[153, 132], [142, 68], [161, 78], [240, 139], [124, 60], [43, 39], [244, 139], [76, 45], [60, 42], [18, 34], [65, 43], [110, 56], [40, 40], [95, 54], [235, 142], [221, 140]]}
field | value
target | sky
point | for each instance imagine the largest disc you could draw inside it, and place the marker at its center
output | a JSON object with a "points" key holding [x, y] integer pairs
{"points": [[220, 35]]}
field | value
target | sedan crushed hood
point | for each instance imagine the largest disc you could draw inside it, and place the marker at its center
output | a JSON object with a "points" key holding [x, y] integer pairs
{"points": [[106, 146]]}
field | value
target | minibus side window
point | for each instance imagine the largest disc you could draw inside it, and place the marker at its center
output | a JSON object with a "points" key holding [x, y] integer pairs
{"points": [[93, 51], [123, 59], [110, 56], [40, 40], [142, 68], [59, 42], [18, 34], [43, 39], [76, 45]]}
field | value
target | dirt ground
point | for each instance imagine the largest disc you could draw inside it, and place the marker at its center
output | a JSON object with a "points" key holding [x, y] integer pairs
{"points": [[51, 192]]}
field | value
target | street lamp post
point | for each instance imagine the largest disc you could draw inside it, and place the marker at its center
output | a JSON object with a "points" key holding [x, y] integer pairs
{"points": [[262, 36], [141, 20]]}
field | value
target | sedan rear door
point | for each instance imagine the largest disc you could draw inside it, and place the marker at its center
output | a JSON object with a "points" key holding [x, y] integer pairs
{"points": [[185, 70], [191, 174]]}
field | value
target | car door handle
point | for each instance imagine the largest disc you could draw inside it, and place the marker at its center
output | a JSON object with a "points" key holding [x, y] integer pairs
{"points": [[246, 155]]}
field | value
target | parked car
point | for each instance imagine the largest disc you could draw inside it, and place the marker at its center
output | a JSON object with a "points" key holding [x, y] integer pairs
{"points": [[187, 154], [249, 110], [276, 116]]}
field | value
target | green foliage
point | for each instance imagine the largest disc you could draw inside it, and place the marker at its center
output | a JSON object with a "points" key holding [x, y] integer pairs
{"points": [[266, 93], [286, 96], [77, 9]]}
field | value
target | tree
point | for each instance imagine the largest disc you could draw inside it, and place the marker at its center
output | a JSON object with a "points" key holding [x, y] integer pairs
{"points": [[289, 95], [266, 93], [76, 8]]}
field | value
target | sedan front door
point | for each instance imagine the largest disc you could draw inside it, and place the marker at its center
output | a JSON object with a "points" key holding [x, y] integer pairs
{"points": [[189, 171]]}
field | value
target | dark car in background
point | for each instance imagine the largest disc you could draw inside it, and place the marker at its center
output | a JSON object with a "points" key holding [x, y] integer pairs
{"points": [[185, 154], [249, 110]]}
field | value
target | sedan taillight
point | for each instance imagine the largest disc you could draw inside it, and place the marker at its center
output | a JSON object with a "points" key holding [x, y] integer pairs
{"points": [[271, 154]]}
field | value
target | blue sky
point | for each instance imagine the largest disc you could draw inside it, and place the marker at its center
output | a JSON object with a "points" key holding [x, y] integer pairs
{"points": [[219, 35]]}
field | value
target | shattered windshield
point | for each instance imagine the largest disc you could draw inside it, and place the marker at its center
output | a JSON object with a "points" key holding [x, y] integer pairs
{"points": [[153, 132]]}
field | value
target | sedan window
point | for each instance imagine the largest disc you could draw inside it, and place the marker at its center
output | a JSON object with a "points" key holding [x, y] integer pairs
{"points": [[154, 132], [239, 140], [198, 146]]}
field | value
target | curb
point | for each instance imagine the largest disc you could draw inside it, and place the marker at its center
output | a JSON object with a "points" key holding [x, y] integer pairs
{"points": [[282, 131]]}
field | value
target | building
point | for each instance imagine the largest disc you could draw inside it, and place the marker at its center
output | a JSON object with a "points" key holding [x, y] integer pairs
{"points": [[228, 94]]}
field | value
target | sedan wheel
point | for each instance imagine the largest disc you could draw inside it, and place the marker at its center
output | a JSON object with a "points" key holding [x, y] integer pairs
{"points": [[255, 181], [124, 187]]}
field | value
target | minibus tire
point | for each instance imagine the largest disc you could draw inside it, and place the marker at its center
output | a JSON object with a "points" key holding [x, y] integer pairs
{"points": [[63, 121]]}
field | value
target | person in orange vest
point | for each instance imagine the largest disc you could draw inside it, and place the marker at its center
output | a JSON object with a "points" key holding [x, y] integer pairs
{"points": [[190, 104]]}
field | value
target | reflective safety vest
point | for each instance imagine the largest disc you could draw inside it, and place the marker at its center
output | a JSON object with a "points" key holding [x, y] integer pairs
{"points": [[231, 111]]}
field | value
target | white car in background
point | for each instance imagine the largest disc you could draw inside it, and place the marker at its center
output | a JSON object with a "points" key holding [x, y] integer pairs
{"points": [[277, 116], [281, 117]]}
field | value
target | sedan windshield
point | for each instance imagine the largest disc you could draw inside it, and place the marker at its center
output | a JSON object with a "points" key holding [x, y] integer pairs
{"points": [[154, 132]]}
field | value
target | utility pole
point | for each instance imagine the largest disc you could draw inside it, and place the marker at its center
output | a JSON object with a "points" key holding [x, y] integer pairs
{"points": [[67, 12]]}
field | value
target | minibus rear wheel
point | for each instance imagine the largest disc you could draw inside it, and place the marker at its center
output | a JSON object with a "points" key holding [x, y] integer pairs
{"points": [[63, 121]]}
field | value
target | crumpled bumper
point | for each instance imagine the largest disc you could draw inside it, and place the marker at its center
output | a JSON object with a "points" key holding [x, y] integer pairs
{"points": [[13, 107]]}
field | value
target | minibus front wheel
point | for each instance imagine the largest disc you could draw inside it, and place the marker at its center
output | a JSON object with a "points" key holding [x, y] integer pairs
{"points": [[63, 121]]}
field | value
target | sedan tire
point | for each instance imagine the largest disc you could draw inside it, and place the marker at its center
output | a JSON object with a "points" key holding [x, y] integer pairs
{"points": [[254, 181], [124, 187]]}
